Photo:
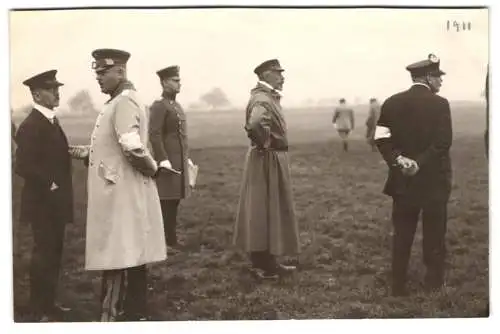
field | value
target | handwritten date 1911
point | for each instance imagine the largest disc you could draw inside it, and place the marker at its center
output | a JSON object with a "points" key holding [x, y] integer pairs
{"points": [[458, 26]]}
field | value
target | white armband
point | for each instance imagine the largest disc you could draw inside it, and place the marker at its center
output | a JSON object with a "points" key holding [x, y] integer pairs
{"points": [[382, 132], [131, 141]]}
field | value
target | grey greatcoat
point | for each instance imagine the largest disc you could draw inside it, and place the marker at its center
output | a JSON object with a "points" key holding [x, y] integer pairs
{"points": [[266, 219]]}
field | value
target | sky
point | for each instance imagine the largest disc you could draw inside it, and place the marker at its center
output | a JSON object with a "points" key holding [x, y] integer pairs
{"points": [[326, 53]]}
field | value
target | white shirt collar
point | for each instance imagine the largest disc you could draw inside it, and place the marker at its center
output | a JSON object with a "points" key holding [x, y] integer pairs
{"points": [[48, 113], [263, 83], [421, 84]]}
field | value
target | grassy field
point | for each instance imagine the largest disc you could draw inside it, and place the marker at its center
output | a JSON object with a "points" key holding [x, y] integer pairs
{"points": [[345, 232]]}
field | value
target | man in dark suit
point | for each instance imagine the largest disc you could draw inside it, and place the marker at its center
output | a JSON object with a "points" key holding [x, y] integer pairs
{"points": [[169, 142], [414, 136], [43, 161]]}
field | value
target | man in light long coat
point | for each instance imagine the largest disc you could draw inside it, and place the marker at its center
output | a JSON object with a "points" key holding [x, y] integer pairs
{"points": [[124, 221], [265, 224]]}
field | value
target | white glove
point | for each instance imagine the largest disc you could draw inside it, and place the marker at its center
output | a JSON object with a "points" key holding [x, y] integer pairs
{"points": [[404, 162], [409, 166], [53, 186], [165, 164], [79, 151], [412, 170]]}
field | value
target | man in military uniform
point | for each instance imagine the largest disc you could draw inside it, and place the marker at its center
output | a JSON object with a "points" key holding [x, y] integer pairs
{"points": [[43, 161], [343, 121], [371, 123], [414, 136], [124, 223], [266, 226], [169, 142]]}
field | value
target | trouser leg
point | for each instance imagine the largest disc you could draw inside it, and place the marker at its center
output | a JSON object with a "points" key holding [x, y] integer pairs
{"points": [[404, 219], [434, 245], [136, 292], [169, 211], [48, 237], [113, 288]]}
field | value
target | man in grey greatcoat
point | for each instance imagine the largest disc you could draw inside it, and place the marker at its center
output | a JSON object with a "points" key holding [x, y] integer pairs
{"points": [[266, 226]]}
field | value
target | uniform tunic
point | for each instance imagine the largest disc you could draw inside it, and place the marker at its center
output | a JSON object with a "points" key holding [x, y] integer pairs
{"points": [[168, 138]]}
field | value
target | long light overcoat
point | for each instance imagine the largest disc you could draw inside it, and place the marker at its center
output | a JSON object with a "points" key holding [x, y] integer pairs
{"points": [[124, 221]]}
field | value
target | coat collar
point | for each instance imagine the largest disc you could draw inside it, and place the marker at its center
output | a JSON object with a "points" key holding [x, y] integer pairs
{"points": [[269, 88], [169, 96], [48, 113], [121, 87], [420, 85]]}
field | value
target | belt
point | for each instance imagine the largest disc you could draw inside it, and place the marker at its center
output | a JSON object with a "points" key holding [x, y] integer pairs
{"points": [[277, 149]]}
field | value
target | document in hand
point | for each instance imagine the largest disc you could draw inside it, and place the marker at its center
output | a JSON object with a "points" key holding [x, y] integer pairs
{"points": [[175, 171], [192, 174]]}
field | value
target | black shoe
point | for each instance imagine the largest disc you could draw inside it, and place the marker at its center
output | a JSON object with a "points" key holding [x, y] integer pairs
{"points": [[284, 269], [399, 292], [433, 287], [263, 274], [59, 308], [433, 282], [135, 317]]}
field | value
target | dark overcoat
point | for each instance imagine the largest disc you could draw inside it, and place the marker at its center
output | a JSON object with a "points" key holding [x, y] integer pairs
{"points": [[419, 127]]}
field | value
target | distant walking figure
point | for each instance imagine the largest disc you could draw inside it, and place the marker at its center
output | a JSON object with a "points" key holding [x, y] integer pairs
{"points": [[343, 121], [371, 123]]}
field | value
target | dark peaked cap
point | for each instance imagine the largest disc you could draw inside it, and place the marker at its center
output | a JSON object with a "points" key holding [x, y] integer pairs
{"points": [[45, 79], [168, 72], [105, 58], [272, 64], [424, 67]]}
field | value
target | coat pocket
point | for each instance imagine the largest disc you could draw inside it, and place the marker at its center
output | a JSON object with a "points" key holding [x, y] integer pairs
{"points": [[109, 174]]}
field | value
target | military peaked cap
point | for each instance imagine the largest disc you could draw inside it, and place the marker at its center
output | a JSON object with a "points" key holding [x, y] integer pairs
{"points": [[168, 72], [428, 66], [45, 79], [272, 64], [105, 58]]}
